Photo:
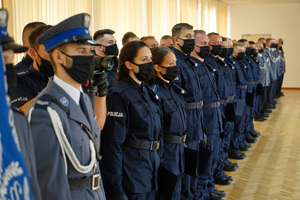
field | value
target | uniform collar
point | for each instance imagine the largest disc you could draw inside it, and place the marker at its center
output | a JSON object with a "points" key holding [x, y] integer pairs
{"points": [[70, 90]]}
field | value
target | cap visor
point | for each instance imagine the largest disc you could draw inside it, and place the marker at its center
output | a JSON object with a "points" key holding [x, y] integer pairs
{"points": [[16, 47]]}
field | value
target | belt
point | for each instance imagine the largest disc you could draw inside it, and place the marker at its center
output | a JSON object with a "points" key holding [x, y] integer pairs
{"points": [[215, 104], [142, 144], [175, 139], [85, 183], [194, 105], [224, 102], [231, 97], [252, 82], [241, 86]]}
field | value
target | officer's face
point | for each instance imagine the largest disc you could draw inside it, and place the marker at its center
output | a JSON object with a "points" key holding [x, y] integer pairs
{"points": [[200, 40], [78, 49], [43, 53], [238, 49], [151, 43], [215, 40], [143, 56], [185, 34], [230, 44], [246, 43], [224, 44], [167, 42], [169, 61], [259, 46], [106, 40]]}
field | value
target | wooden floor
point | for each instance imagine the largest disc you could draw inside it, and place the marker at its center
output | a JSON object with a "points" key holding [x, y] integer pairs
{"points": [[271, 169]]}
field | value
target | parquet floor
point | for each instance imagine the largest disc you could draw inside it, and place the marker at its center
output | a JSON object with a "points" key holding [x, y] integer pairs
{"points": [[271, 169]]}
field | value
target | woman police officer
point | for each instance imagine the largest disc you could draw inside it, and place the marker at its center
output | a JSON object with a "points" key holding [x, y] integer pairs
{"points": [[132, 130], [174, 119]]}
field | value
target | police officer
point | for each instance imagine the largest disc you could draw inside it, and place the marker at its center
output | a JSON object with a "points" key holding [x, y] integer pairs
{"points": [[21, 123], [174, 119], [150, 41], [269, 53], [211, 114], [166, 41], [240, 96], [65, 134], [188, 79], [264, 80], [132, 130], [31, 82], [282, 68], [128, 37], [27, 61]]}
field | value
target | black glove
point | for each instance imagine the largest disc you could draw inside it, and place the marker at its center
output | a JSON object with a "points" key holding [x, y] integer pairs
{"points": [[100, 80], [203, 142]]}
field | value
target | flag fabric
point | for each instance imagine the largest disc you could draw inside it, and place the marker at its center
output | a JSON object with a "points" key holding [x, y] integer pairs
{"points": [[14, 179]]}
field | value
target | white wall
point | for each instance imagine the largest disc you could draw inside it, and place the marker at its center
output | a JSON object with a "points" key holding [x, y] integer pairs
{"points": [[279, 20]]}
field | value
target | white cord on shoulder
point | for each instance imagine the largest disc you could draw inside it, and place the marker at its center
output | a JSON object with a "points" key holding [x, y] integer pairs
{"points": [[66, 147]]}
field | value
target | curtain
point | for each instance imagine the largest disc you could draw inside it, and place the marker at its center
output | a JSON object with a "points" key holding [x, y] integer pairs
{"points": [[143, 17], [189, 12], [214, 17]]}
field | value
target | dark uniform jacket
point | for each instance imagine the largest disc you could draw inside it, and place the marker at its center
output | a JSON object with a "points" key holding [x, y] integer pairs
{"points": [[53, 181], [29, 84], [133, 112], [174, 123], [188, 79]]}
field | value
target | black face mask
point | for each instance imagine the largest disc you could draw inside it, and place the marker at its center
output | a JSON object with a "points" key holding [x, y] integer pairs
{"points": [[11, 76], [223, 53], [280, 48], [264, 45], [188, 45], [248, 51], [82, 68], [216, 49], [275, 46], [230, 51], [253, 51], [146, 71], [204, 51], [45, 67], [171, 74], [260, 50], [112, 50], [241, 55]]}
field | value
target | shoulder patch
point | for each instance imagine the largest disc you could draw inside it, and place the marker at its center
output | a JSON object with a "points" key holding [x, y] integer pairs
{"points": [[64, 101]]}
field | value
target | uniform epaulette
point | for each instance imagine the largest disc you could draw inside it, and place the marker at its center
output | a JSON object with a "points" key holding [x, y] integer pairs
{"points": [[44, 101]]}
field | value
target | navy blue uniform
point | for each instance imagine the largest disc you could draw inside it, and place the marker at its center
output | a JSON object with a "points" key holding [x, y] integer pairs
{"points": [[133, 114], [240, 94], [229, 126], [174, 125], [213, 123], [223, 91], [255, 74], [250, 89], [23, 65], [29, 85], [188, 79]]}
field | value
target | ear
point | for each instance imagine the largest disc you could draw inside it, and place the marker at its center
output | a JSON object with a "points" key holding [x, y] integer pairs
{"points": [[128, 65], [175, 40], [157, 68], [57, 57], [32, 53]]}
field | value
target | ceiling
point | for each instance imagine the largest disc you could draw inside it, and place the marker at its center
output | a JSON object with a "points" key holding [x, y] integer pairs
{"points": [[234, 2]]}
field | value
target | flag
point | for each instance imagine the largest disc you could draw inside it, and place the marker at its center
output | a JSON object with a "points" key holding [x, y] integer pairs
{"points": [[14, 179]]}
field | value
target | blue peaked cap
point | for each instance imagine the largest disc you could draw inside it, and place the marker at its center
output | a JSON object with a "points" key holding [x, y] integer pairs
{"points": [[72, 30]]}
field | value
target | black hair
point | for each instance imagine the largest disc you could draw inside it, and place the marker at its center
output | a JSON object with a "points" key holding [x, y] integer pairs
{"points": [[128, 53], [100, 33]]}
